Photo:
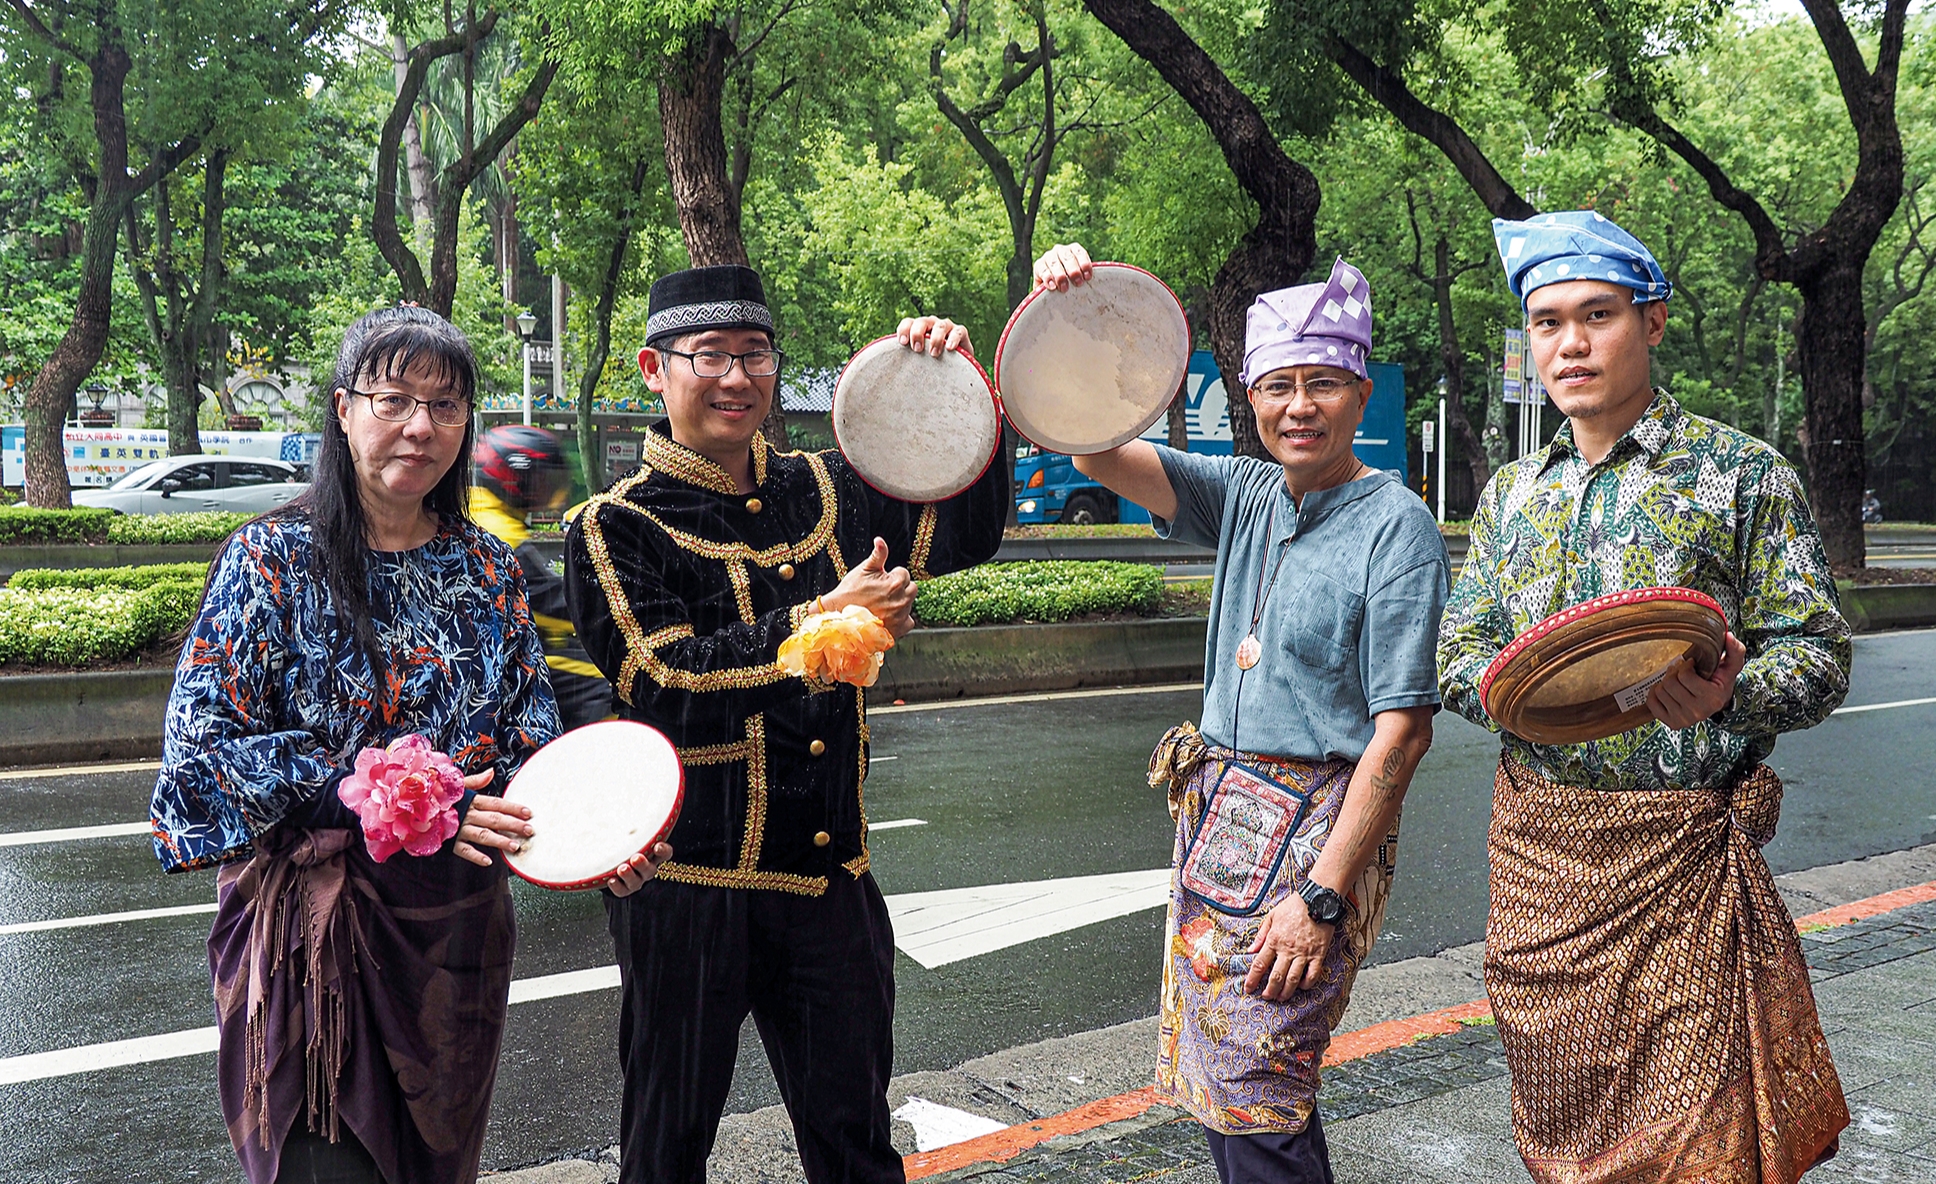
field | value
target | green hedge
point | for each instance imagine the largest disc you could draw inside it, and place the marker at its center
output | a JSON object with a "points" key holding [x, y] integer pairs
{"points": [[131, 579], [203, 526], [75, 626], [26, 525], [1052, 590]]}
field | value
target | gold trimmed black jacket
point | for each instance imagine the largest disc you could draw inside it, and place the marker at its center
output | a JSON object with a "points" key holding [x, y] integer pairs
{"points": [[682, 589]]}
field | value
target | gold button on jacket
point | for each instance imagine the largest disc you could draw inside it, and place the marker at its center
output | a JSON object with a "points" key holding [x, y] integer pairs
{"points": [[822, 839], [817, 747], [754, 505], [786, 571]]}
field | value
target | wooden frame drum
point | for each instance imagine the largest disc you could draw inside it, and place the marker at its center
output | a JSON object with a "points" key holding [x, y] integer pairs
{"points": [[598, 795], [1584, 673]]}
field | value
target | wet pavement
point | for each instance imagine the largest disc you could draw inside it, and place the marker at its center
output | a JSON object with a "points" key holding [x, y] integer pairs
{"points": [[1006, 792]]}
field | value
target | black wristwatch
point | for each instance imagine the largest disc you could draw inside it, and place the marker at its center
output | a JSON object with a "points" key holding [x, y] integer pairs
{"points": [[1326, 906]]}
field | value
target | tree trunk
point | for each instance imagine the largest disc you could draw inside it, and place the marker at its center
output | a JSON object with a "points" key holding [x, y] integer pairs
{"points": [[1277, 250], [416, 165], [81, 346], [1452, 365], [692, 86], [1829, 332]]}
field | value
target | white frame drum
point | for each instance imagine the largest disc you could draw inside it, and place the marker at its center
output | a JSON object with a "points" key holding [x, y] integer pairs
{"points": [[1090, 369], [915, 427], [599, 795]]}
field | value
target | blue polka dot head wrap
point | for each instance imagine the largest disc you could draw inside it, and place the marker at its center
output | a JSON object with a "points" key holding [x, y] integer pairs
{"points": [[1576, 245]]}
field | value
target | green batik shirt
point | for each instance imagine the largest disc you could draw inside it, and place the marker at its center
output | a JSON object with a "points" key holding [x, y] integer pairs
{"points": [[1679, 501]]}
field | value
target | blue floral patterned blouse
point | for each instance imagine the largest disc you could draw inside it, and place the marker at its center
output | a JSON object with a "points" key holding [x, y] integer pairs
{"points": [[272, 700]]}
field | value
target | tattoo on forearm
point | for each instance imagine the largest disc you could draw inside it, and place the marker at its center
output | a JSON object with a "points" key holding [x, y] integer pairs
{"points": [[1385, 781]]}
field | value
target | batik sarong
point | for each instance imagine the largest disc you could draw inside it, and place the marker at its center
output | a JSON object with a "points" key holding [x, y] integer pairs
{"points": [[1237, 1062], [1649, 987]]}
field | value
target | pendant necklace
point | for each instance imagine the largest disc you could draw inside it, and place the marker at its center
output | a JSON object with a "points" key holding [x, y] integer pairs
{"points": [[1250, 651]]}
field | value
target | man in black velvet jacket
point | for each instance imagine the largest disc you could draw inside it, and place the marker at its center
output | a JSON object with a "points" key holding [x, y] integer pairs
{"points": [[684, 579]]}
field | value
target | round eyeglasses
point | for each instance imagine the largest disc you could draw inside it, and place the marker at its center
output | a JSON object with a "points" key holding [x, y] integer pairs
{"points": [[717, 363], [397, 407]]}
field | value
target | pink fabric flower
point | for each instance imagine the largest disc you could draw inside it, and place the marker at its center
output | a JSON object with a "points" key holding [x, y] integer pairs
{"points": [[406, 795]]}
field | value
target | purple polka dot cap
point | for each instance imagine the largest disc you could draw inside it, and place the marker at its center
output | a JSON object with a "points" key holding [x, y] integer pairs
{"points": [[1327, 324], [1576, 245]]}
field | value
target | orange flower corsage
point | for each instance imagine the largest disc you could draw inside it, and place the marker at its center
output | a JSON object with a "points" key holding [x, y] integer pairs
{"points": [[846, 646]]}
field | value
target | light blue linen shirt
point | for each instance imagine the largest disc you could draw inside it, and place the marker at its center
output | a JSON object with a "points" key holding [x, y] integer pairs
{"points": [[1351, 626]]}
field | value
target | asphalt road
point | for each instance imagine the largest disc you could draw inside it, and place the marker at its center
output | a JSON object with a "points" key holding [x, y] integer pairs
{"points": [[1006, 792]]}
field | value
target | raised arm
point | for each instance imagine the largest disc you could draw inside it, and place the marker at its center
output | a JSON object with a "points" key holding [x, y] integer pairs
{"points": [[1133, 471]]}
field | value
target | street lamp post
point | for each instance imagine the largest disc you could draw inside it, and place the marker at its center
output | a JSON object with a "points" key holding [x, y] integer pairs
{"points": [[1442, 386], [527, 324]]}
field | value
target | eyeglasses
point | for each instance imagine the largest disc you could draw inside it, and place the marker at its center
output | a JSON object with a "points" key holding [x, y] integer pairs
{"points": [[1321, 390], [717, 363], [397, 407]]}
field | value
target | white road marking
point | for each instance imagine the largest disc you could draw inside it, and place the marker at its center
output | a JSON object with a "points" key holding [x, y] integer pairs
{"points": [[933, 928], [875, 760], [895, 824], [1040, 697], [953, 924], [89, 1058], [936, 1126], [22, 838], [183, 910], [1883, 706], [78, 770], [571, 982]]}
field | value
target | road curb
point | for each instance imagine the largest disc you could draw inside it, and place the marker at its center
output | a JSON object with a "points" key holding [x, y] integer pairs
{"points": [[1872, 608], [936, 664], [65, 556], [88, 716], [107, 715], [1003, 1145]]}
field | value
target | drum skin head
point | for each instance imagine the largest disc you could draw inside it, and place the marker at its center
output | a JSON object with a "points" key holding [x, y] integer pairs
{"points": [[598, 795], [1092, 368], [914, 427], [1583, 673]]}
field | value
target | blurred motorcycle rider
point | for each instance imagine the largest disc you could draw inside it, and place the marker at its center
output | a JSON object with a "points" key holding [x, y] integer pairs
{"points": [[521, 469]]}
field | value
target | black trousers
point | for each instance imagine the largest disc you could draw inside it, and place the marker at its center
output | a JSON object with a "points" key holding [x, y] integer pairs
{"points": [[310, 1158], [817, 975], [1272, 1157]]}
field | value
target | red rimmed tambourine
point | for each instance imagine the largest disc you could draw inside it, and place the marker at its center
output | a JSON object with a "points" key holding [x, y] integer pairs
{"points": [[1584, 672], [598, 795], [914, 427], [1089, 369]]}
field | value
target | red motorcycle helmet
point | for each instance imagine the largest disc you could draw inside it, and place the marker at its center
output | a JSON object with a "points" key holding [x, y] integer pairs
{"points": [[523, 465]]}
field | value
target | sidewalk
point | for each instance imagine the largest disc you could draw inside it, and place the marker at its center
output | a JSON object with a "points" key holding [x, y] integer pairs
{"points": [[1416, 1091]]}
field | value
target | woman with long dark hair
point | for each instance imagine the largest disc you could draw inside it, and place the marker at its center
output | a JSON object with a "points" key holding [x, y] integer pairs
{"points": [[361, 959]]}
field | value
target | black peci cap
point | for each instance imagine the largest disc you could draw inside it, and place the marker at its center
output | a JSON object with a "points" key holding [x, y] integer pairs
{"points": [[703, 298]]}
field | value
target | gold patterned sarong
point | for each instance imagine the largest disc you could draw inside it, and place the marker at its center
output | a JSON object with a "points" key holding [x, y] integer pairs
{"points": [[1650, 989]]}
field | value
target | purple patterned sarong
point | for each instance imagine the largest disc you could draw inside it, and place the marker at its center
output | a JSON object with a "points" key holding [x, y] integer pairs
{"points": [[1238, 1063]]}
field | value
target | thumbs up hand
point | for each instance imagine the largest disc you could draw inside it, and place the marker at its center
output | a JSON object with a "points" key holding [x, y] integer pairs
{"points": [[887, 593]]}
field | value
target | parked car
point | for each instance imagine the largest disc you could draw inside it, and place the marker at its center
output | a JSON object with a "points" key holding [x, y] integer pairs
{"points": [[183, 484]]}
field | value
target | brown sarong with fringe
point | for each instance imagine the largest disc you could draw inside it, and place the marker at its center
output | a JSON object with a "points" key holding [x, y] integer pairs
{"points": [[1650, 989], [362, 996]]}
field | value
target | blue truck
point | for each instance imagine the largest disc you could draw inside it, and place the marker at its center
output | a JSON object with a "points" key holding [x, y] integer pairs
{"points": [[1048, 488]]}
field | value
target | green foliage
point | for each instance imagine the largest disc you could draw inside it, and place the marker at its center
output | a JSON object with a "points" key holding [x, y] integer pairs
{"points": [[76, 626], [26, 525], [205, 526], [1054, 590], [130, 579]]}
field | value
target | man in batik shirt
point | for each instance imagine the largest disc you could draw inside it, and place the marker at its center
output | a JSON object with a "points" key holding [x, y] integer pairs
{"points": [[1646, 977]]}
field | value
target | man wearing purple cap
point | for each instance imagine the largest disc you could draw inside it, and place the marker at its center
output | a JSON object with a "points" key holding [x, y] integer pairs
{"points": [[1319, 690], [1646, 977]]}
